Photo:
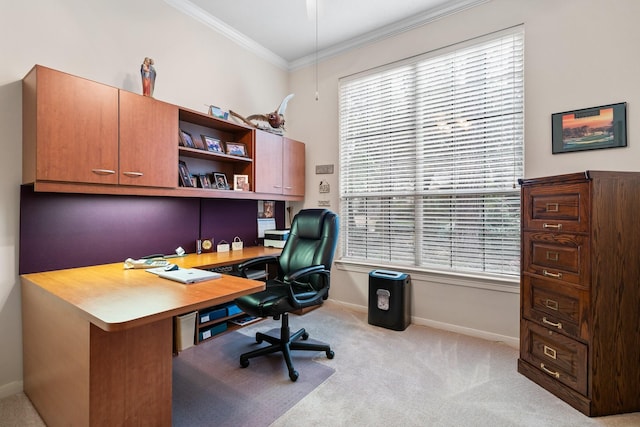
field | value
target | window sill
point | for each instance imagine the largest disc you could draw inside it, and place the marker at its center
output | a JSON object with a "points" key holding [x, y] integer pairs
{"points": [[489, 282]]}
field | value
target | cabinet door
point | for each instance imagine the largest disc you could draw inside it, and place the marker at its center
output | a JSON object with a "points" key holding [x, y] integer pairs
{"points": [[148, 142], [77, 129], [268, 163], [293, 173]]}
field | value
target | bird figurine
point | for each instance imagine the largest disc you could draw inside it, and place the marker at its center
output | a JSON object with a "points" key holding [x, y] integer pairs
{"points": [[148, 74], [275, 119]]}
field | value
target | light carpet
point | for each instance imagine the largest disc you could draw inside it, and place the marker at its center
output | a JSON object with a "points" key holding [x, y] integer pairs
{"points": [[418, 377], [210, 388]]}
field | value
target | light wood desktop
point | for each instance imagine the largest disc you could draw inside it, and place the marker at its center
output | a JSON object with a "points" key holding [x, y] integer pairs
{"points": [[98, 341]]}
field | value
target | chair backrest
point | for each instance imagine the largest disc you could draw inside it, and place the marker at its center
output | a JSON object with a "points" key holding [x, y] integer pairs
{"points": [[312, 240]]}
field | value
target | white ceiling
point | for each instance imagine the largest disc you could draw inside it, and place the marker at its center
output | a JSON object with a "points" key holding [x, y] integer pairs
{"points": [[284, 31]]}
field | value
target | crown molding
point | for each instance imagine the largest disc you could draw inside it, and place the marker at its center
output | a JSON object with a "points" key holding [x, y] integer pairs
{"points": [[449, 8], [387, 31], [199, 14]]}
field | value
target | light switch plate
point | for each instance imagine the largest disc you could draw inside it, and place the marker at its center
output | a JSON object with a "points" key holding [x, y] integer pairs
{"points": [[324, 169]]}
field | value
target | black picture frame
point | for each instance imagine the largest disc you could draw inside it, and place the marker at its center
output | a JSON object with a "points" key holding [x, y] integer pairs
{"points": [[184, 175], [589, 128], [220, 180]]}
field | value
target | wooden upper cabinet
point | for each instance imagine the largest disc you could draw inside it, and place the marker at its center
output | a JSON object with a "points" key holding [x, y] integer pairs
{"points": [[293, 172], [70, 129], [148, 142], [280, 165], [268, 163], [80, 136]]}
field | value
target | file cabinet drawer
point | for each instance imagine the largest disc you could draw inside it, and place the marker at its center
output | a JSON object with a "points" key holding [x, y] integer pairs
{"points": [[557, 256], [556, 355], [557, 307], [557, 208]]}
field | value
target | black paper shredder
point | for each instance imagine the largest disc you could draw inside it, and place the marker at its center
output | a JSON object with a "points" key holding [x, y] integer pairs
{"points": [[389, 299]]}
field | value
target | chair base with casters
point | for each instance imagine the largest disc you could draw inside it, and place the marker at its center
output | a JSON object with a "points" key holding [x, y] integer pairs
{"points": [[285, 344], [302, 281]]}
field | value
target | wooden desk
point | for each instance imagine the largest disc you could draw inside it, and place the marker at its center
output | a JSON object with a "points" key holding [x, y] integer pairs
{"points": [[97, 341]]}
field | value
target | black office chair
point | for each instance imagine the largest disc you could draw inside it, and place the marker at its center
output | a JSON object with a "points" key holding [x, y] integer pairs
{"points": [[303, 279]]}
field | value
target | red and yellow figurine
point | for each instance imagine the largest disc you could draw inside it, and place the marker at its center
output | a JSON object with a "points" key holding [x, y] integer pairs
{"points": [[148, 74]]}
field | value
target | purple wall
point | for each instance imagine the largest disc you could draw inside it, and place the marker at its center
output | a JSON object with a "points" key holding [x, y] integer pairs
{"points": [[59, 230]]}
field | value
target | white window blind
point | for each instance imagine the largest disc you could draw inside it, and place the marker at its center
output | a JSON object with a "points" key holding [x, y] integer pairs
{"points": [[430, 152]]}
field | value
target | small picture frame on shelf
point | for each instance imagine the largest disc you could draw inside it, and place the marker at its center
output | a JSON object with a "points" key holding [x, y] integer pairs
{"points": [[184, 175], [204, 181], [185, 139], [241, 182], [199, 143], [220, 180], [213, 144], [236, 149]]}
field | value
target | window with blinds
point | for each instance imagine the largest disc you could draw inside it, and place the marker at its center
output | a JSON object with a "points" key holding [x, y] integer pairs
{"points": [[430, 152]]}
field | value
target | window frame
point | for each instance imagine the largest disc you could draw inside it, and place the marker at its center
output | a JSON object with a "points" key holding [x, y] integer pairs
{"points": [[512, 194]]}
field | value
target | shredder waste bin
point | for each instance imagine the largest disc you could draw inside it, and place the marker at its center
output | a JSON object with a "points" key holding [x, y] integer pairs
{"points": [[389, 299]]}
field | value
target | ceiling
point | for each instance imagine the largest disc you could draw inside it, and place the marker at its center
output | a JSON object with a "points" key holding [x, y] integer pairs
{"points": [[284, 31]]}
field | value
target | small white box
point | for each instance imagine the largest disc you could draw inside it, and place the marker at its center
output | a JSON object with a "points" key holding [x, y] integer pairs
{"points": [[185, 330], [275, 238], [223, 246]]}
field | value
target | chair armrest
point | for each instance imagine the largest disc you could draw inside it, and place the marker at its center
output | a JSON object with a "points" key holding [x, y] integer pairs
{"points": [[253, 262], [311, 297], [303, 272]]}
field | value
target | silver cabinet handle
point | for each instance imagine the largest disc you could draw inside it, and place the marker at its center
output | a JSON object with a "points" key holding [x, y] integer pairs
{"points": [[103, 171], [133, 174]]}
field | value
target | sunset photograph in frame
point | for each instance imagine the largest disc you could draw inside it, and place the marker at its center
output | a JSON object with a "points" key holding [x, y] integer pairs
{"points": [[589, 129]]}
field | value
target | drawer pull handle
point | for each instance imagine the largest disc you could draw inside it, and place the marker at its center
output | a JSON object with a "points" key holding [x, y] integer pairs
{"points": [[133, 174], [549, 371], [554, 275], [555, 226], [548, 351], [551, 304], [553, 256], [554, 324], [103, 171], [552, 207]]}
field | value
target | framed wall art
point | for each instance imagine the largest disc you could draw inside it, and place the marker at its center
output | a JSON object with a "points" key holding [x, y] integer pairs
{"points": [[589, 128]]}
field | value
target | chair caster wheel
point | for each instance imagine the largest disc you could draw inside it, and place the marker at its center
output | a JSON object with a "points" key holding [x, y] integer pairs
{"points": [[244, 362], [305, 336], [330, 354], [293, 375]]}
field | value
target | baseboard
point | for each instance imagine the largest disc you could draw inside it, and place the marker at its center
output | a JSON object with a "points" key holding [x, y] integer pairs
{"points": [[489, 336], [10, 389]]}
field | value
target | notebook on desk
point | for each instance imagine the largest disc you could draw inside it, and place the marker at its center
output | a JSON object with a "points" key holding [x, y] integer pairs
{"points": [[189, 275]]}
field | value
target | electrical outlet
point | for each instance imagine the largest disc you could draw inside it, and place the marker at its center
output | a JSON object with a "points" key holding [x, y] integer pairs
{"points": [[324, 203]]}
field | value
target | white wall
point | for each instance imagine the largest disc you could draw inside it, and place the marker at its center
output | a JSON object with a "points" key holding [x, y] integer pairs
{"points": [[106, 41], [578, 54]]}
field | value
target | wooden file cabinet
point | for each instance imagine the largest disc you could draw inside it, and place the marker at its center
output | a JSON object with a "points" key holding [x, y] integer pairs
{"points": [[580, 289]]}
